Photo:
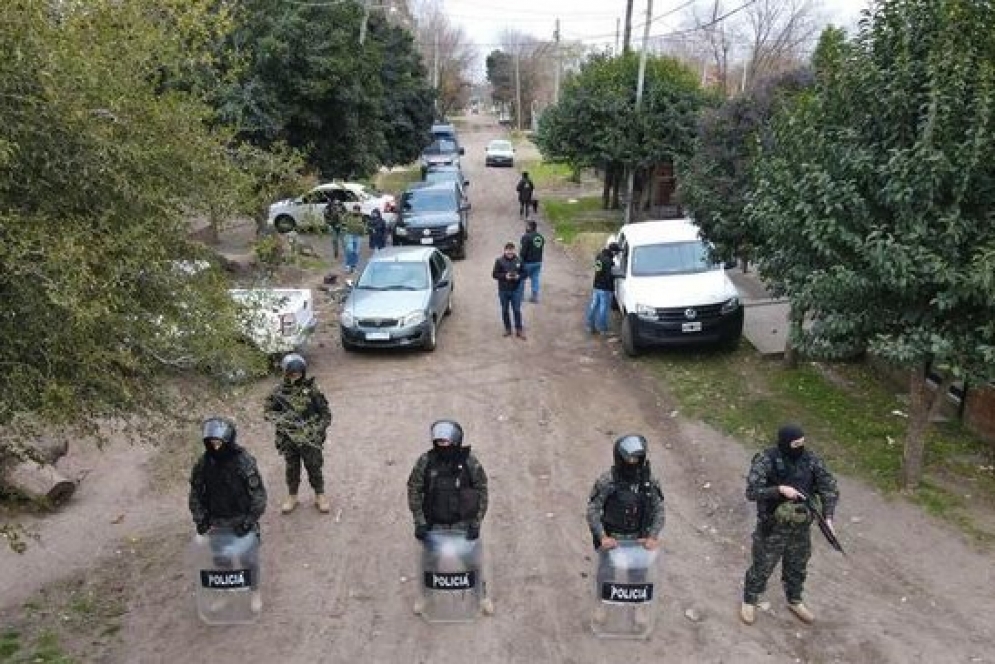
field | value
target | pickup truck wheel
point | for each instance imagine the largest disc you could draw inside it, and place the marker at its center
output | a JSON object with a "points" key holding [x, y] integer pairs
{"points": [[629, 345], [284, 223], [431, 336]]}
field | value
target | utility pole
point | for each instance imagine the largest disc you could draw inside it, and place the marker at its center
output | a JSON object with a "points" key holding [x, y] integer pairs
{"points": [[556, 80], [627, 38], [366, 19], [618, 25], [435, 73], [639, 99], [518, 91]]}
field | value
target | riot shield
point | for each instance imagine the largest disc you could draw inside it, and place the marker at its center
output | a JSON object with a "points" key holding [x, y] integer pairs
{"points": [[625, 592], [452, 583], [226, 571]]}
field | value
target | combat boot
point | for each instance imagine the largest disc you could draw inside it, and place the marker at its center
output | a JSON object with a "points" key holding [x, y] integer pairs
{"points": [[748, 613], [802, 612], [419, 607], [289, 504], [487, 606], [322, 503], [256, 602]]}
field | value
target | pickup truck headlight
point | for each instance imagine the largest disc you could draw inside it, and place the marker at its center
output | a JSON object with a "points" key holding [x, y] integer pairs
{"points": [[347, 319], [452, 229], [413, 318], [400, 230], [729, 306], [644, 311]]}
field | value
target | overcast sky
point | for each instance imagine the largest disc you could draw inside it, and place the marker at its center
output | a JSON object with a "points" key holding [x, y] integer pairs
{"points": [[591, 21]]}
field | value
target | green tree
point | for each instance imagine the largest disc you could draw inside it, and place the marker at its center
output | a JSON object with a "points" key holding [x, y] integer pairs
{"points": [[100, 168], [714, 184], [501, 76], [595, 122], [875, 200]]}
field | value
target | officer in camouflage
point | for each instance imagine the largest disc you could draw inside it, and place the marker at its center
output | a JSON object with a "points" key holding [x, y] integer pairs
{"points": [[780, 477], [226, 490], [447, 490], [302, 417]]}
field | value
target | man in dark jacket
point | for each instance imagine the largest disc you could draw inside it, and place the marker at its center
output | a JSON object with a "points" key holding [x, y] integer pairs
{"points": [[378, 231], [226, 490], [447, 489], [526, 189], [532, 245], [508, 270], [780, 477], [302, 417], [604, 287]]}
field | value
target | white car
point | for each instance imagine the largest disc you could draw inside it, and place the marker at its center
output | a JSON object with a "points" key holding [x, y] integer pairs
{"points": [[499, 153], [276, 320], [670, 291], [309, 209]]}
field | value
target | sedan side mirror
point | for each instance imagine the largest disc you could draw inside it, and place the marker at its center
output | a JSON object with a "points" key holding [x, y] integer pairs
{"points": [[462, 151], [466, 183], [442, 284], [350, 283], [464, 207]]}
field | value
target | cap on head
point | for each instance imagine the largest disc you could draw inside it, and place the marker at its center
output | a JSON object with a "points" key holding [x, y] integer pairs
{"points": [[449, 430], [631, 449], [219, 428]]}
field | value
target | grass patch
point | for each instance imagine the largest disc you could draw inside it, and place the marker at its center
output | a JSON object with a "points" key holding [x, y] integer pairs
{"points": [[395, 182], [44, 650], [848, 413], [547, 175], [582, 216]]}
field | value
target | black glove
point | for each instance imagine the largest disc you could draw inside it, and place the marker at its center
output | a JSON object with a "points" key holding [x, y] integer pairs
{"points": [[243, 529], [421, 531], [203, 527], [473, 532]]}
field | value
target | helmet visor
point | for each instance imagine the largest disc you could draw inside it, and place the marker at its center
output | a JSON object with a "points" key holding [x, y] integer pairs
{"points": [[632, 449], [217, 428], [444, 430]]}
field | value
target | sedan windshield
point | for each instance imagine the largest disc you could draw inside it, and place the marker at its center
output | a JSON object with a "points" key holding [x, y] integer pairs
{"points": [[671, 258], [500, 146], [441, 147], [384, 275], [441, 176], [437, 200]]}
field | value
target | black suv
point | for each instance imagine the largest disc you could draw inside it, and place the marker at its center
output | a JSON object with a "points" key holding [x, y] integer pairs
{"points": [[433, 214]]}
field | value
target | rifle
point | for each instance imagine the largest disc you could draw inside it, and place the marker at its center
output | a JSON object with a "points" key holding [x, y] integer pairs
{"points": [[827, 530]]}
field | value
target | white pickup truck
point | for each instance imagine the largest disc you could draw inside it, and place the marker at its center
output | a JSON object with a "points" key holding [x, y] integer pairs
{"points": [[276, 320]]}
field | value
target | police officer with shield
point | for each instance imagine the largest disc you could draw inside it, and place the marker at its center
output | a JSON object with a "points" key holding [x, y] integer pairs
{"points": [[227, 495], [626, 505], [447, 495]]}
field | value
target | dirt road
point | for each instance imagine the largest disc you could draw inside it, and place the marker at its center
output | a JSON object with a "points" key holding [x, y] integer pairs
{"points": [[541, 415]]}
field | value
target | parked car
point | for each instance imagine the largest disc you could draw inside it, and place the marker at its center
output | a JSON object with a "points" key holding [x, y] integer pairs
{"points": [[435, 215], [670, 291], [499, 153], [445, 130], [441, 152], [449, 174], [309, 208], [400, 299], [386, 203]]}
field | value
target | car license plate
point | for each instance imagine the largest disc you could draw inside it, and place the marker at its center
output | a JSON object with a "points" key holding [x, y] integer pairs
{"points": [[426, 240], [377, 336], [691, 327]]}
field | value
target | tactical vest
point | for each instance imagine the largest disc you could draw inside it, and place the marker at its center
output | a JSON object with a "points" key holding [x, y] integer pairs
{"points": [[450, 496], [797, 475], [625, 510], [223, 488]]}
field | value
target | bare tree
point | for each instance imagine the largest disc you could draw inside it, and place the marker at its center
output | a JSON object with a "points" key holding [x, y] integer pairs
{"points": [[534, 63], [448, 53]]}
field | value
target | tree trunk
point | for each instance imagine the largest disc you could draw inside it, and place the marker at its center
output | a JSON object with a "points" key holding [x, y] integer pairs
{"points": [[795, 319], [39, 482], [619, 177], [607, 191], [924, 404]]}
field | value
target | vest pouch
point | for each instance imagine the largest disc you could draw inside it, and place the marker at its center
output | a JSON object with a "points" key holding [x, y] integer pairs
{"points": [[469, 503]]}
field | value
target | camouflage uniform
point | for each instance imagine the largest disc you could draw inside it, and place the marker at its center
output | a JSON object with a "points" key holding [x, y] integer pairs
{"points": [[302, 417], [775, 539], [429, 463], [609, 483]]}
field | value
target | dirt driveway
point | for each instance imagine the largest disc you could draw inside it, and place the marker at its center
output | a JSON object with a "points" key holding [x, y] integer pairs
{"points": [[541, 414]]}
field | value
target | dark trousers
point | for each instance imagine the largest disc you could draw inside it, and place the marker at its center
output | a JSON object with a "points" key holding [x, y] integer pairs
{"points": [[511, 299], [773, 543], [312, 458]]}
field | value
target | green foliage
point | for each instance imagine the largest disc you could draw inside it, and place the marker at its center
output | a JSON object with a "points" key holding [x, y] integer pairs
{"points": [[100, 167], [584, 215], [717, 180], [305, 80], [501, 76]]}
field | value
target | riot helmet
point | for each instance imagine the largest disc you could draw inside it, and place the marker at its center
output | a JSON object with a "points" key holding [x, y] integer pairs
{"points": [[630, 455], [448, 430], [293, 364], [218, 429]]}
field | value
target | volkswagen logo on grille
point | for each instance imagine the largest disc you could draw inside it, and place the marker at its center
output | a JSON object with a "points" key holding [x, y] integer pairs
{"points": [[426, 232], [690, 314]]}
